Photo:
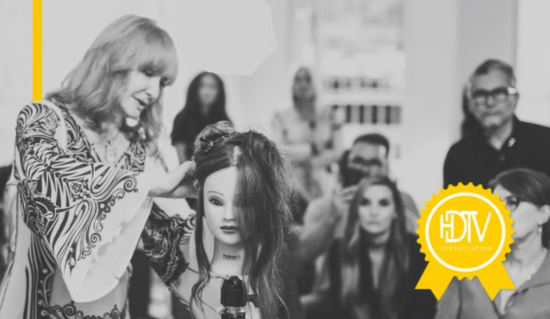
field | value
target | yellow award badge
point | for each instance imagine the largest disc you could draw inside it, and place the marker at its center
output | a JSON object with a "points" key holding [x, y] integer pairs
{"points": [[465, 231]]}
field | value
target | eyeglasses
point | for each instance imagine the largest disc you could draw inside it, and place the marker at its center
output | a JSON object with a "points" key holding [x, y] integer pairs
{"points": [[363, 163], [512, 203], [499, 95]]}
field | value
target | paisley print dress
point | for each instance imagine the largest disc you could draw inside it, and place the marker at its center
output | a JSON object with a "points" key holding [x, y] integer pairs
{"points": [[78, 223]]}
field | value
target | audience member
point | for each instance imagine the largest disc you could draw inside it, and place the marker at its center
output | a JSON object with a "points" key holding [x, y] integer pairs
{"points": [[308, 133], [527, 195], [504, 142], [325, 218], [205, 104], [372, 271]]}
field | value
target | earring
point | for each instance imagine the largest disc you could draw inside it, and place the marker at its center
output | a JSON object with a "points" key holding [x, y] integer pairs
{"points": [[539, 229]]}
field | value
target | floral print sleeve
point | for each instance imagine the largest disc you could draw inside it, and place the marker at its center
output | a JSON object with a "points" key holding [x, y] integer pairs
{"points": [[162, 238], [78, 208]]}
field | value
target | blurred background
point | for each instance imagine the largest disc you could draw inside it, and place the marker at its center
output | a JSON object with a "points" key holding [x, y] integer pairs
{"points": [[391, 66]]}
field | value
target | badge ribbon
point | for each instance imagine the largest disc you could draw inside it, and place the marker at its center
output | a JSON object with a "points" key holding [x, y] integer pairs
{"points": [[465, 232]]}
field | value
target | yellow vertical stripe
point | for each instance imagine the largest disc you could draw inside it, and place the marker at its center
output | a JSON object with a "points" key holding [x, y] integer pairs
{"points": [[37, 50]]}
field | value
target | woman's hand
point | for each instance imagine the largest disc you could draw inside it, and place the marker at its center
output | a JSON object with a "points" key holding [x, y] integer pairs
{"points": [[341, 199], [178, 183]]}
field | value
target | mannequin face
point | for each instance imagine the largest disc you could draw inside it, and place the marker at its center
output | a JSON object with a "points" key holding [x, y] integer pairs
{"points": [[219, 208]]}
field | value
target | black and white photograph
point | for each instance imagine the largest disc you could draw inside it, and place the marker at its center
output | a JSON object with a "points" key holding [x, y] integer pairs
{"points": [[266, 159]]}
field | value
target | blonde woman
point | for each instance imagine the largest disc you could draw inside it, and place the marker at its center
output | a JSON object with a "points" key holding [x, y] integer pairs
{"points": [[310, 135], [85, 196]]}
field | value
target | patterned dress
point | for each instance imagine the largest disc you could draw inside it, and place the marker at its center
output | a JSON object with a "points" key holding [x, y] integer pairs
{"points": [[78, 223]]}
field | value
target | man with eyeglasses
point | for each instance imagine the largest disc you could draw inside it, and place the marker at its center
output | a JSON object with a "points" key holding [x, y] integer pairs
{"points": [[503, 141]]}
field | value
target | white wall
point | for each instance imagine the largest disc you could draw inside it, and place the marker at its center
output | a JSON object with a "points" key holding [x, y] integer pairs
{"points": [[533, 61], [15, 69], [488, 29], [431, 97], [266, 89], [445, 40]]}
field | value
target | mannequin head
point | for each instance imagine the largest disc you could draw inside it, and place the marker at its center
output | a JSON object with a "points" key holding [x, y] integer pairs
{"points": [[243, 183]]}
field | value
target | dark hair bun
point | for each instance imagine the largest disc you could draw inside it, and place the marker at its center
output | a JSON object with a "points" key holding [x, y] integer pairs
{"points": [[213, 134]]}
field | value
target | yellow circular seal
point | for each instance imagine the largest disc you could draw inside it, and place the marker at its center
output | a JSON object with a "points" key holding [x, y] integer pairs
{"points": [[465, 231]]}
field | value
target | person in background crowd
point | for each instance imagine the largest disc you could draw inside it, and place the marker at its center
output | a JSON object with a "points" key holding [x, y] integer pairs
{"points": [[5, 172], [504, 142], [526, 193], [205, 105], [308, 134], [372, 271], [325, 218], [86, 181]]}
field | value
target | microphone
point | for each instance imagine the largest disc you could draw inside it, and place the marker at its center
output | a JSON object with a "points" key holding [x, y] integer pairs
{"points": [[233, 299]]}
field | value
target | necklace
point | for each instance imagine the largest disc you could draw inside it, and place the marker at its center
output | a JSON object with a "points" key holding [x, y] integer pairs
{"points": [[110, 149]]}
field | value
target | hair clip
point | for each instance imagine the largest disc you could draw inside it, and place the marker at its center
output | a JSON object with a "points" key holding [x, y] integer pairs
{"points": [[208, 144]]}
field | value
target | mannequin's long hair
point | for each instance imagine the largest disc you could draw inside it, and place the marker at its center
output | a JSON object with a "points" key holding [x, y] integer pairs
{"points": [[261, 202], [355, 245]]}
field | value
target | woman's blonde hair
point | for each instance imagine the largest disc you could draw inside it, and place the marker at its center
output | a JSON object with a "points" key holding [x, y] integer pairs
{"points": [[92, 88]]}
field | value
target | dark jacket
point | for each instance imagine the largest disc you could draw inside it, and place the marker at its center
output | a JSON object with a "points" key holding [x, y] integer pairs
{"points": [[472, 159]]}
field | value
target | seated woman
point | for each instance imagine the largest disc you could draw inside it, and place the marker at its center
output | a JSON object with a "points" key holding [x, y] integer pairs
{"points": [[527, 196], [372, 271], [243, 197]]}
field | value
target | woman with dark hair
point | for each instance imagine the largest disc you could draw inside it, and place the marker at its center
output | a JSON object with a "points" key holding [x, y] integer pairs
{"points": [[243, 198], [526, 193], [205, 104], [373, 270], [85, 181]]}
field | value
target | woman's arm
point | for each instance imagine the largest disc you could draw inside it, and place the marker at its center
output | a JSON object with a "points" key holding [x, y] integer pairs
{"points": [[181, 135], [178, 183], [181, 150], [322, 217], [162, 237], [298, 152]]}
